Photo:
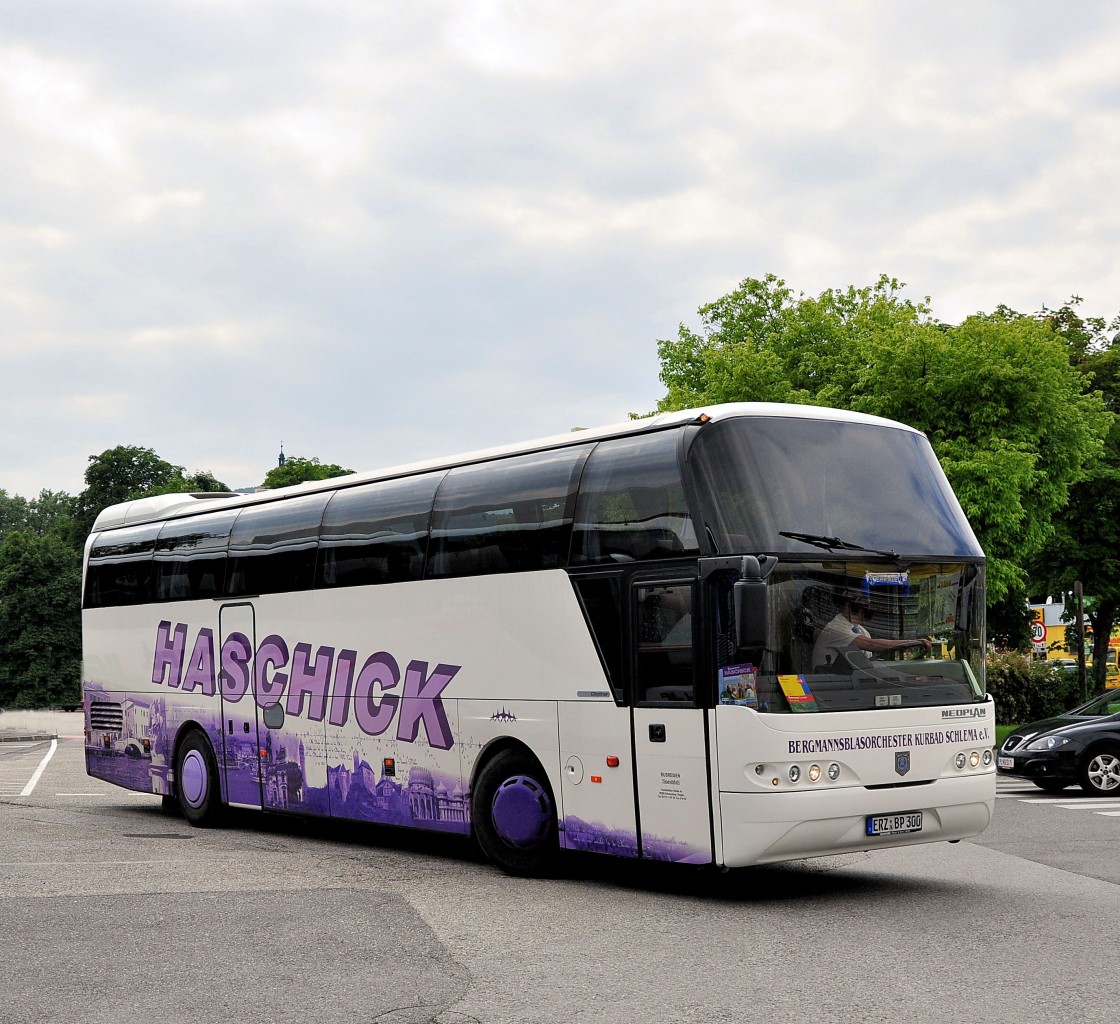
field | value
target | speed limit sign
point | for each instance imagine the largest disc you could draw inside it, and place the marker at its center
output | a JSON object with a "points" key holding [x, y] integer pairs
{"points": [[1038, 632]]}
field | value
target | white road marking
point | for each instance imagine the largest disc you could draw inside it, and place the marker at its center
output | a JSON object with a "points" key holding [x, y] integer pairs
{"points": [[1090, 804], [34, 780]]}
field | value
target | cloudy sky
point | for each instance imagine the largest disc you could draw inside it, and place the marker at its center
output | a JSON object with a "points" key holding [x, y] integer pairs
{"points": [[384, 231]]}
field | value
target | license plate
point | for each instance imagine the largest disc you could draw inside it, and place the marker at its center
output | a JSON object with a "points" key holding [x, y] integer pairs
{"points": [[894, 824], [1005, 762]]}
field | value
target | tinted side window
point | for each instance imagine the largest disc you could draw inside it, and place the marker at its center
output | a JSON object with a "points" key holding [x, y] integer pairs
{"points": [[272, 546], [663, 669], [509, 515], [120, 567], [601, 599], [190, 557], [376, 533], [631, 503]]}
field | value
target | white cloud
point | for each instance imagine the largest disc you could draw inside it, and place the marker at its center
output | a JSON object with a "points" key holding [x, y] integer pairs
{"points": [[382, 232]]}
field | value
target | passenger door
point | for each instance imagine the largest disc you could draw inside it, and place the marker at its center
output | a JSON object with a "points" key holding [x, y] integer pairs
{"points": [[240, 728], [669, 726]]}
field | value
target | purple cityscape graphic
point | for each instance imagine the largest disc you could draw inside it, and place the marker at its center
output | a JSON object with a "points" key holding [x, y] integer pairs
{"points": [[595, 838], [129, 743]]}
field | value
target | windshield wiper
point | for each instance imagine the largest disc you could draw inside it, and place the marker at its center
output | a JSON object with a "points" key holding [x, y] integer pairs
{"points": [[834, 543]]}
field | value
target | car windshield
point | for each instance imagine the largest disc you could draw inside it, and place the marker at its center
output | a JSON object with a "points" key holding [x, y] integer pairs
{"points": [[851, 636], [1108, 703]]}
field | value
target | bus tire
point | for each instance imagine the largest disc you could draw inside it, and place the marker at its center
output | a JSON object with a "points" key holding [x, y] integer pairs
{"points": [[196, 781], [514, 815]]}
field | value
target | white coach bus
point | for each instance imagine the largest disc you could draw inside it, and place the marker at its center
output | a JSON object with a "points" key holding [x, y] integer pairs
{"points": [[727, 636]]}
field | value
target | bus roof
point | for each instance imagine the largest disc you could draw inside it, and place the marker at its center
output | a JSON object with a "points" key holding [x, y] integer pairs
{"points": [[168, 506]]}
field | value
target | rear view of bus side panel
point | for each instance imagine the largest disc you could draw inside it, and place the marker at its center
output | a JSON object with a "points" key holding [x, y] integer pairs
{"points": [[142, 685]]}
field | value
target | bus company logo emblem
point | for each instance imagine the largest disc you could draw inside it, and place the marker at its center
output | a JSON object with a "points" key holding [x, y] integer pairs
{"points": [[503, 716], [964, 712], [902, 761]]}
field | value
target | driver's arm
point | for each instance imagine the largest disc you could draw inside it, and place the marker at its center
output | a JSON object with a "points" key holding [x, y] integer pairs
{"points": [[877, 645]]}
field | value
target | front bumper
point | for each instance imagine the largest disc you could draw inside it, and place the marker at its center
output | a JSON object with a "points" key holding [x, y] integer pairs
{"points": [[1038, 764], [761, 827]]}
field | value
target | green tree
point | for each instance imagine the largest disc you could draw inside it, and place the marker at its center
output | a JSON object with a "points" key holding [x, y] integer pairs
{"points": [[297, 470], [40, 622], [13, 513], [1009, 622], [203, 482], [127, 472], [1005, 411], [1085, 544], [51, 513]]}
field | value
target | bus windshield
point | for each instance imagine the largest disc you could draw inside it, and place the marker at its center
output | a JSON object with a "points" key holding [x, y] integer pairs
{"points": [[862, 636], [788, 485]]}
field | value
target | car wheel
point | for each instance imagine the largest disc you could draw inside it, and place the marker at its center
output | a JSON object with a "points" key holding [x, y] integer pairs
{"points": [[514, 815], [196, 781], [1050, 785], [1100, 771]]}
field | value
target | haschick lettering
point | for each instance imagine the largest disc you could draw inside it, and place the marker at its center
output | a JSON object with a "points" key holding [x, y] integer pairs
{"points": [[300, 677]]}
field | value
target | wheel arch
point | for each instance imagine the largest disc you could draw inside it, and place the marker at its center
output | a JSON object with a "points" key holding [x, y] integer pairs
{"points": [[1099, 743]]}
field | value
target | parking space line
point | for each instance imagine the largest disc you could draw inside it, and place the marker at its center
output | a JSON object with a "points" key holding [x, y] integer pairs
{"points": [[1090, 804], [34, 780]]}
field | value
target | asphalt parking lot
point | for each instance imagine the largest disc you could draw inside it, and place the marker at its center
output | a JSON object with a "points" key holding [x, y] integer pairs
{"points": [[114, 910]]}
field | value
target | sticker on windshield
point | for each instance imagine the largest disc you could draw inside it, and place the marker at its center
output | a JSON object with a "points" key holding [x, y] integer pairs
{"points": [[887, 579], [738, 684], [798, 694]]}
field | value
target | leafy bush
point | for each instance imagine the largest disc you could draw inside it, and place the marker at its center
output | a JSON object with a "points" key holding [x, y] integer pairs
{"points": [[1025, 690]]}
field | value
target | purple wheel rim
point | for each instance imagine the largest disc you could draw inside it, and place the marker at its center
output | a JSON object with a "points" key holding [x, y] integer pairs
{"points": [[193, 778], [521, 812]]}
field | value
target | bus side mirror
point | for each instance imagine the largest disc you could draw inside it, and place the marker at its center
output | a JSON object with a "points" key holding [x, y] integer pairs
{"points": [[752, 602]]}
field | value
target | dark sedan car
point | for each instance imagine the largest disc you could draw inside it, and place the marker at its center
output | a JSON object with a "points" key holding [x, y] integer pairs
{"points": [[1081, 746]]}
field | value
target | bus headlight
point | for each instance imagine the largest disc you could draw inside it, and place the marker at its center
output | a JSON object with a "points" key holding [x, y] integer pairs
{"points": [[987, 756], [814, 773], [794, 773], [959, 760], [834, 771], [974, 759]]}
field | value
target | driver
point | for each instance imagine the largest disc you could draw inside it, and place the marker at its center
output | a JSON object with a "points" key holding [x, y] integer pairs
{"points": [[846, 631]]}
